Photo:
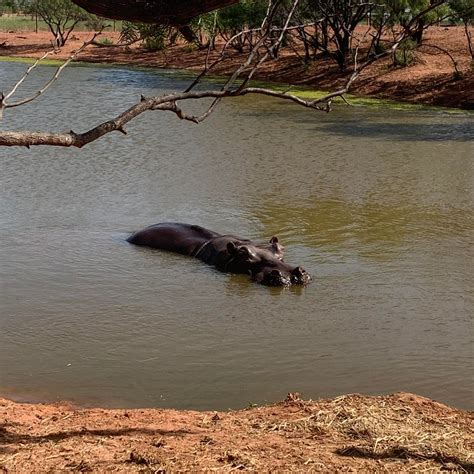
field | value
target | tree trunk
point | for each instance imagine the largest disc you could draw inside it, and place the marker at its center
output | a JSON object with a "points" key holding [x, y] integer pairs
{"points": [[469, 38], [171, 12], [418, 33]]}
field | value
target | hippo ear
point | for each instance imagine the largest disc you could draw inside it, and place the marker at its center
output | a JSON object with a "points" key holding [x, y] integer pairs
{"points": [[274, 240], [231, 247]]}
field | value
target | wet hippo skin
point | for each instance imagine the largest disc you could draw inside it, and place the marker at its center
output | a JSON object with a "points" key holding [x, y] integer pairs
{"points": [[228, 253]]}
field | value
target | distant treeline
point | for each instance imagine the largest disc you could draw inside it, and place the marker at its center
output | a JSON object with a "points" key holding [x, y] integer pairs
{"points": [[318, 27]]}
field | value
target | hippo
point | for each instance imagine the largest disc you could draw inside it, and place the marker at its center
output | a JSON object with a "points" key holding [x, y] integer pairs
{"points": [[228, 253]]}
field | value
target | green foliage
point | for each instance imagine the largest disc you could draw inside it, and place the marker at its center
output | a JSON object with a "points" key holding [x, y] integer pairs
{"points": [[189, 48], [335, 22], [246, 14], [155, 43], [205, 23], [380, 47], [95, 23], [405, 53], [402, 11], [391, 13], [463, 10], [153, 37], [105, 41], [7, 6], [226, 22], [204, 26]]}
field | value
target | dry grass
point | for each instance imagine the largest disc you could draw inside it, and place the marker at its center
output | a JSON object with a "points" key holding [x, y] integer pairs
{"points": [[378, 428], [353, 433]]}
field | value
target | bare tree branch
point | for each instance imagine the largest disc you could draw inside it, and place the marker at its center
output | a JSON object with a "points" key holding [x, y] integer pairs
{"points": [[165, 102], [15, 87], [274, 46], [457, 72], [5, 105]]}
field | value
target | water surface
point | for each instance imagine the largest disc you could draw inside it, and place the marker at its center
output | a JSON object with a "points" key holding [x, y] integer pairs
{"points": [[376, 204]]}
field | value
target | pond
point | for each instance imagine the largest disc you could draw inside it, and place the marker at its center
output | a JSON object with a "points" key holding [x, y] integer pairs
{"points": [[375, 203]]}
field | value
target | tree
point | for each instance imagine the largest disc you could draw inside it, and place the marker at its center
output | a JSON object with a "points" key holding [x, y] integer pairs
{"points": [[338, 20], [61, 16], [247, 14], [152, 37], [403, 11], [464, 12], [10, 5]]}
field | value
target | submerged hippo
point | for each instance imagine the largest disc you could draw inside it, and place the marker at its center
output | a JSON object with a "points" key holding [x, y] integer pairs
{"points": [[228, 253]]}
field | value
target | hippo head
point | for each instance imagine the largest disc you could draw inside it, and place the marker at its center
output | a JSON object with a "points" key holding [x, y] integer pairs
{"points": [[265, 265]]}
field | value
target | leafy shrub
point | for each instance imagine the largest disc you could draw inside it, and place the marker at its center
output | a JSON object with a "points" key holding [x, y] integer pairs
{"points": [[405, 53], [153, 37], [155, 43], [106, 41]]}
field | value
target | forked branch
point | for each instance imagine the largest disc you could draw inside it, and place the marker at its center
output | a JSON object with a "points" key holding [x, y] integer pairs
{"points": [[166, 102], [4, 104]]}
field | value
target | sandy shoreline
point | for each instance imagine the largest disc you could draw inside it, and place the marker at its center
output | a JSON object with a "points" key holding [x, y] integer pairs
{"points": [[429, 80], [395, 433]]}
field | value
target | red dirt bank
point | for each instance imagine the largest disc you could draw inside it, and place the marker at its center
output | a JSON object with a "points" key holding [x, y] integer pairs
{"points": [[396, 433], [430, 80]]}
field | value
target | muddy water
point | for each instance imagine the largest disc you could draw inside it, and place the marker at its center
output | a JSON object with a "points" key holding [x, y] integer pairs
{"points": [[376, 204]]}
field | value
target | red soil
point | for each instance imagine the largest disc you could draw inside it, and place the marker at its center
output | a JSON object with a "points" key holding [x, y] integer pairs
{"points": [[354, 433], [429, 80]]}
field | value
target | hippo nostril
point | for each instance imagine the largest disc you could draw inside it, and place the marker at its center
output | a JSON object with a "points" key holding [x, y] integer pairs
{"points": [[298, 271], [275, 273]]}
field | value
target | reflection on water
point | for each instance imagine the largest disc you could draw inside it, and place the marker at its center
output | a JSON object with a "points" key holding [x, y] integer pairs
{"points": [[360, 227], [377, 205]]}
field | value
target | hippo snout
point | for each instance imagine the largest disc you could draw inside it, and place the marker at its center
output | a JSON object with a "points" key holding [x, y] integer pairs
{"points": [[276, 278], [283, 277], [299, 276]]}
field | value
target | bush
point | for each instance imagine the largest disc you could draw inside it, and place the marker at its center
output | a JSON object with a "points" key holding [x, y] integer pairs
{"points": [[153, 37], [155, 43], [106, 41], [405, 53]]}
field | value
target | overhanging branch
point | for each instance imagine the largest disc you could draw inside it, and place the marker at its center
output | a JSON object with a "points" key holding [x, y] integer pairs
{"points": [[164, 103]]}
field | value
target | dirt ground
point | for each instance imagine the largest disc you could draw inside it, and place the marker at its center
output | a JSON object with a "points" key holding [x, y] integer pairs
{"points": [[352, 433], [429, 80]]}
